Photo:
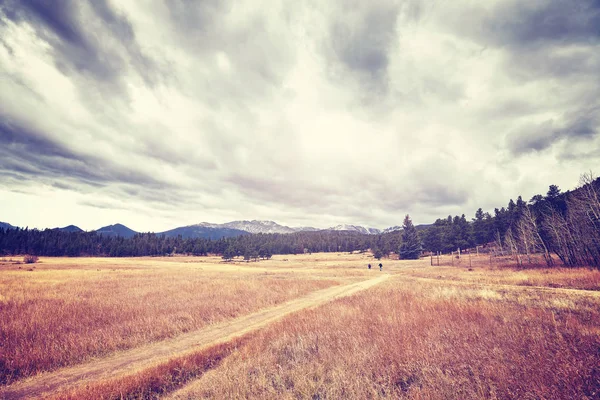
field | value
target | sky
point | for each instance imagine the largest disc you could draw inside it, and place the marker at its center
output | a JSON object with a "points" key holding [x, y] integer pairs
{"points": [[158, 114]]}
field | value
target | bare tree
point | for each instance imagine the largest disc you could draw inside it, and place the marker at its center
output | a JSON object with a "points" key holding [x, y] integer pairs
{"points": [[583, 220], [561, 239], [529, 235], [498, 242], [510, 241]]}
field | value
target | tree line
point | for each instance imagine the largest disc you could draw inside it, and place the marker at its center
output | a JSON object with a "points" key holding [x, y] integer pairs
{"points": [[558, 225], [564, 225], [53, 242]]}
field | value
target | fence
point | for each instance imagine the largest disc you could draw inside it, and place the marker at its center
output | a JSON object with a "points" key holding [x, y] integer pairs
{"points": [[491, 257]]}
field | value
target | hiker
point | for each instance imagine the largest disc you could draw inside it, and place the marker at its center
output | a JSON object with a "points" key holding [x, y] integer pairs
{"points": [[369, 266], [380, 266]]}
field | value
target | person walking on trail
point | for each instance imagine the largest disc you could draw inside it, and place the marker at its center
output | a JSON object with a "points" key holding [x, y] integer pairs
{"points": [[369, 266], [380, 266]]}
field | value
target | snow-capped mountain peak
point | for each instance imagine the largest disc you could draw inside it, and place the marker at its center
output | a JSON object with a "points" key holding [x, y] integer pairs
{"points": [[254, 226], [355, 228], [263, 226]]}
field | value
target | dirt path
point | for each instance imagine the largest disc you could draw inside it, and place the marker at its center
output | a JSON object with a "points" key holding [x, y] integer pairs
{"points": [[129, 361]]}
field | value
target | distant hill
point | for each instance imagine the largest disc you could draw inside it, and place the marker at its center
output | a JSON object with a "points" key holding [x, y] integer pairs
{"points": [[6, 225], [199, 231], [422, 227], [228, 229], [117, 230], [70, 228]]}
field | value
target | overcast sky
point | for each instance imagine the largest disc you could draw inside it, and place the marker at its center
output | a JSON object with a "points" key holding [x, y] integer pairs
{"points": [[158, 114]]}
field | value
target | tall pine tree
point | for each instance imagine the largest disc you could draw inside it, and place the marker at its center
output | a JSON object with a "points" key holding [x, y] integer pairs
{"points": [[410, 249]]}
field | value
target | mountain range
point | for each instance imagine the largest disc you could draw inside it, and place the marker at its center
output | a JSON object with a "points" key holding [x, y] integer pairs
{"points": [[6, 225], [207, 232], [356, 228], [256, 226], [70, 228], [228, 229], [117, 230]]}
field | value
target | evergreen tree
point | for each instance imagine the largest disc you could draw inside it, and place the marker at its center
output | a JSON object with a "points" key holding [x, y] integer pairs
{"points": [[460, 232], [410, 249], [432, 239], [553, 192], [480, 231], [377, 253], [557, 200], [229, 253]]}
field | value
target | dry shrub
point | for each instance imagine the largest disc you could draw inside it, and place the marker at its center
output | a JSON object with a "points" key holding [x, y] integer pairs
{"points": [[420, 340], [30, 259]]}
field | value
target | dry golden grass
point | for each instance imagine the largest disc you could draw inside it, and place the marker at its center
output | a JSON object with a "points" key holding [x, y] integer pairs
{"points": [[502, 271], [420, 339], [160, 379], [494, 331], [69, 310]]}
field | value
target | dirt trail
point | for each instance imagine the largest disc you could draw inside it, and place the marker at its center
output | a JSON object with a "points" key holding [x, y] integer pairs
{"points": [[132, 360]]}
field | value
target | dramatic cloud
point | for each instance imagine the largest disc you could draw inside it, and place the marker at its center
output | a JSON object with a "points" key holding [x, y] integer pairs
{"points": [[162, 113]]}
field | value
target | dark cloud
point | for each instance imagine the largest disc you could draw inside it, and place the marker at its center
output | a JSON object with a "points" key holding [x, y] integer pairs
{"points": [[22, 141], [11, 175], [361, 39], [86, 37], [257, 59], [533, 137], [63, 186], [33, 153], [590, 156], [548, 47], [543, 39], [577, 126], [442, 194], [366, 49], [61, 24], [509, 108], [545, 22], [200, 19]]}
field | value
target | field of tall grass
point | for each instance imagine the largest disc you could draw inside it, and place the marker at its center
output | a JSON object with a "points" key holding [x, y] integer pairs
{"points": [[66, 311], [440, 332], [421, 339], [504, 271]]}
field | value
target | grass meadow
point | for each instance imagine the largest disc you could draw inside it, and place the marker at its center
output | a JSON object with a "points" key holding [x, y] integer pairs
{"points": [[421, 340], [464, 331], [66, 311]]}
